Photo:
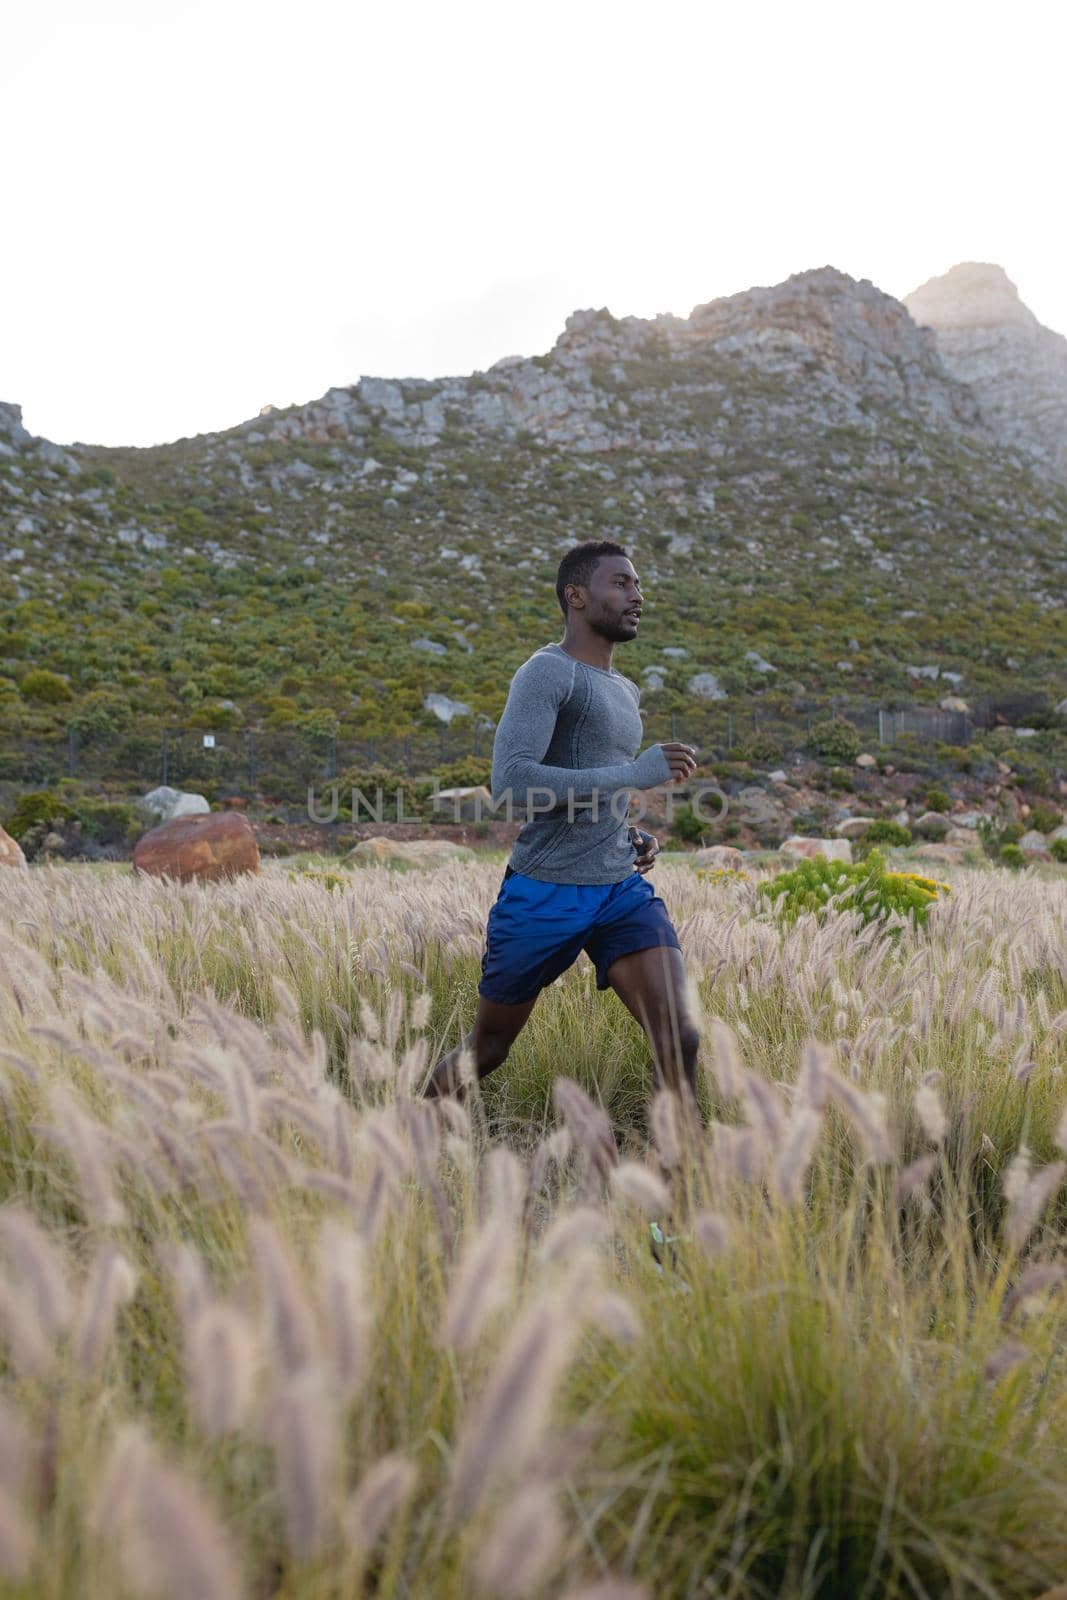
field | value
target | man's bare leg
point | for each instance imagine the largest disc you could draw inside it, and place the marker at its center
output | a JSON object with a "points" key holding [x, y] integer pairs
{"points": [[651, 985], [495, 1030]]}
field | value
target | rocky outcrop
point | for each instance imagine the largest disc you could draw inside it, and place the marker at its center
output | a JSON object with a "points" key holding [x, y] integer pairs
{"points": [[1017, 369], [220, 845], [408, 852]]}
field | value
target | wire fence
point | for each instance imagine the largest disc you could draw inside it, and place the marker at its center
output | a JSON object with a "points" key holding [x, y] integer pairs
{"points": [[281, 764]]}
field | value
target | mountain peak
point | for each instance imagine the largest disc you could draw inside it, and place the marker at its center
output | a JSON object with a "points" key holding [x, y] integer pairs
{"points": [[972, 294]]}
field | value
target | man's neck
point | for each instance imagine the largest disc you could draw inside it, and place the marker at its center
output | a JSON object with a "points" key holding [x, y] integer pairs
{"points": [[590, 648]]}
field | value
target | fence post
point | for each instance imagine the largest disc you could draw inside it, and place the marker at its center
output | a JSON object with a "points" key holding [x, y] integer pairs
{"points": [[407, 754], [71, 742], [881, 726], [333, 756], [729, 730], [252, 762], [165, 755]]}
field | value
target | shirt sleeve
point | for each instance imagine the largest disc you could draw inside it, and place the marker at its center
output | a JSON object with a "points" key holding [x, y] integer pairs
{"points": [[525, 731]]}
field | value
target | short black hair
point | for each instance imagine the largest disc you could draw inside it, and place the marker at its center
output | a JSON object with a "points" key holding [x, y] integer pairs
{"points": [[579, 564]]}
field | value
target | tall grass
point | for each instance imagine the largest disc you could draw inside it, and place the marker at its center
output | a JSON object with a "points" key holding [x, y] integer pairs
{"points": [[272, 1325]]}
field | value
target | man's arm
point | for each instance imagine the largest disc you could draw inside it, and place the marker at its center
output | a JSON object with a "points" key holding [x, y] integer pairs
{"points": [[524, 734]]}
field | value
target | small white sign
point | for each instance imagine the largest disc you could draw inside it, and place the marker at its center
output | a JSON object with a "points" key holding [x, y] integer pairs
{"points": [[209, 741]]}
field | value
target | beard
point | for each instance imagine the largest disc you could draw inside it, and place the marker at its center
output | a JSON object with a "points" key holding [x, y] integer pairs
{"points": [[618, 628]]}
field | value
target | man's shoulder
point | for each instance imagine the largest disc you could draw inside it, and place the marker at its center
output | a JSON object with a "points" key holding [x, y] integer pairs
{"points": [[550, 663]]}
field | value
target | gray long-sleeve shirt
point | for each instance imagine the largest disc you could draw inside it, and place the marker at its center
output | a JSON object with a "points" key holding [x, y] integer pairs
{"points": [[569, 735]]}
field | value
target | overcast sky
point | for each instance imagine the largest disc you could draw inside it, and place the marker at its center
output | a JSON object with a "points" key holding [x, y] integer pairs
{"points": [[213, 206]]}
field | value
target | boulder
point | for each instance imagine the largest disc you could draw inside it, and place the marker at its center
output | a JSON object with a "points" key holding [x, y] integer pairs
{"points": [[866, 760], [932, 822], [716, 856], [10, 851], [853, 827], [444, 708], [466, 805], [1033, 843], [962, 838], [167, 803], [1060, 832], [706, 686], [949, 854], [220, 845], [408, 852], [832, 849], [753, 804], [952, 702]]}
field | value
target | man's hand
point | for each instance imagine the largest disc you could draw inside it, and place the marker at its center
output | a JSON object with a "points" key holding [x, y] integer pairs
{"points": [[681, 758], [647, 849]]}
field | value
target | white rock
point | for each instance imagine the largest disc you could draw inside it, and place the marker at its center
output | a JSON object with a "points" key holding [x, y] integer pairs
{"points": [[866, 760], [430, 646], [832, 849], [445, 709], [853, 827], [706, 686], [758, 662], [166, 803], [1032, 842], [188, 805]]}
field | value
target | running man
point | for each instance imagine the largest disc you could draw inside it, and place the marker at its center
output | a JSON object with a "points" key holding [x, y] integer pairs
{"points": [[567, 741]]}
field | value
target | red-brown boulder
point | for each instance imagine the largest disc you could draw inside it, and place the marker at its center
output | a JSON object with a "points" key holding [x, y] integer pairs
{"points": [[218, 845], [10, 851]]}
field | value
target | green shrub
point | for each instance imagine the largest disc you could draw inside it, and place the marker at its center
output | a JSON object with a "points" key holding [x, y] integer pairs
{"points": [[109, 822], [393, 784], [937, 800], [995, 840], [47, 687], [1058, 848], [761, 746], [1045, 818], [883, 831], [99, 712], [1012, 856], [835, 739], [688, 827], [841, 778], [867, 887], [465, 773], [41, 805]]}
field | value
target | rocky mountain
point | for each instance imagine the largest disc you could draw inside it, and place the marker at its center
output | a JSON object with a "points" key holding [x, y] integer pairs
{"points": [[820, 507], [1016, 369]]}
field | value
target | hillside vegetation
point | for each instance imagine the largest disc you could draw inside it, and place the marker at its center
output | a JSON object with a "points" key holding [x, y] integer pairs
{"points": [[814, 506]]}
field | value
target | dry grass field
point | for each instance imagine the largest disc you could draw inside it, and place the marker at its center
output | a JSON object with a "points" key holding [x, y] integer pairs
{"points": [[273, 1326]]}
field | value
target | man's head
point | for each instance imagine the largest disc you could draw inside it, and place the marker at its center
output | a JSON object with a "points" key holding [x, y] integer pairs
{"points": [[596, 584]]}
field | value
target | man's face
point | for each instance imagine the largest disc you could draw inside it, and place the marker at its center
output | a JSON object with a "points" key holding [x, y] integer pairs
{"points": [[613, 599]]}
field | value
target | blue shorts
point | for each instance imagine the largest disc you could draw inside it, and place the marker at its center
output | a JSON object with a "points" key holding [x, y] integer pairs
{"points": [[537, 930]]}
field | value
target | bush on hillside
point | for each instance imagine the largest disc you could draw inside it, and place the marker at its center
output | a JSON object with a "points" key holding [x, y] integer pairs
{"points": [[937, 800], [47, 687], [883, 830], [466, 773], [1045, 818], [1058, 851], [836, 739]]}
